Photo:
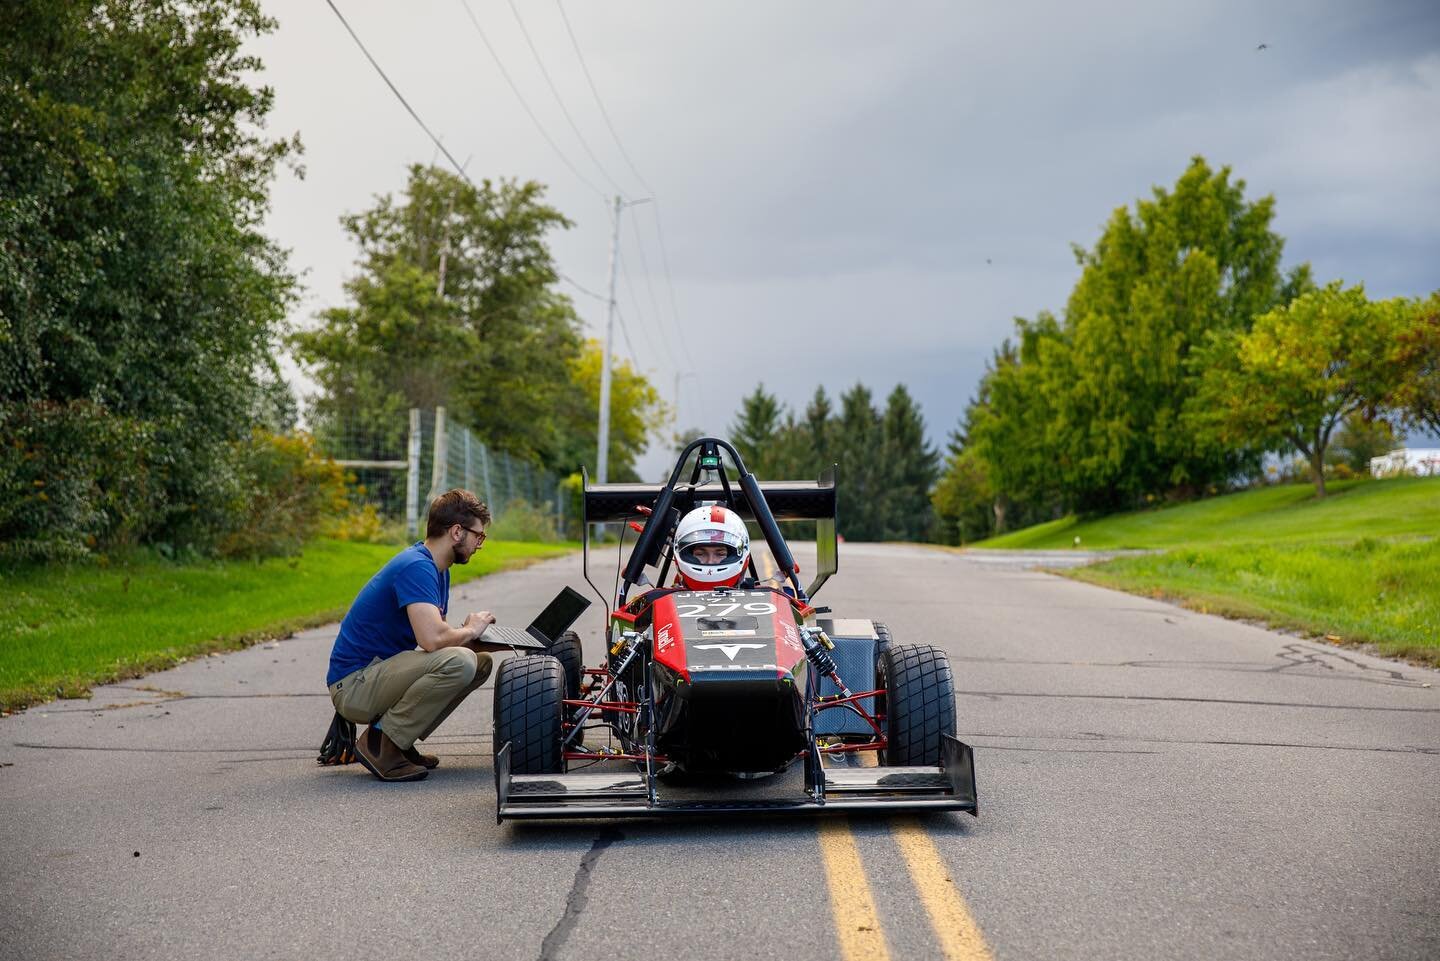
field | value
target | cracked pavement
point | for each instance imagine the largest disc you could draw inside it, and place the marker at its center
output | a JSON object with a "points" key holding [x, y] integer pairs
{"points": [[1154, 783]]}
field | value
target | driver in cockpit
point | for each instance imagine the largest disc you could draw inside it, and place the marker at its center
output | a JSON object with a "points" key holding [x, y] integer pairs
{"points": [[712, 548]]}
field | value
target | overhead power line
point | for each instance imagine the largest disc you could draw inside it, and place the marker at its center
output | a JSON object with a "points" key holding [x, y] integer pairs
{"points": [[525, 104], [583, 289], [640, 314], [604, 114], [670, 287], [398, 95], [459, 167], [650, 289], [655, 208], [625, 332], [560, 101]]}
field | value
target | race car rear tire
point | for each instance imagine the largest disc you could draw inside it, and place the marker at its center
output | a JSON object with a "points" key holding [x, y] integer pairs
{"points": [[566, 650], [528, 696], [883, 643], [920, 704]]}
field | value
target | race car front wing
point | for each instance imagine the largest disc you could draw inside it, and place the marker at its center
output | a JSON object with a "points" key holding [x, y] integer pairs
{"points": [[628, 794]]}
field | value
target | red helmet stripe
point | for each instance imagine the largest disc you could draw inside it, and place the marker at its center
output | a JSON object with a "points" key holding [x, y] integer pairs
{"points": [[717, 514]]}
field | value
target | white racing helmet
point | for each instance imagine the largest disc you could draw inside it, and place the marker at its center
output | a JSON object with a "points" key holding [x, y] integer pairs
{"points": [[712, 526]]}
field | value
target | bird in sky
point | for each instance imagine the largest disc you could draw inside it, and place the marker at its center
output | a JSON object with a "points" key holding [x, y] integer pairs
{"points": [[1263, 46]]}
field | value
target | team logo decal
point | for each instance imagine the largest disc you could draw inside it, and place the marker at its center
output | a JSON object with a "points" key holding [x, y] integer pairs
{"points": [[664, 640]]}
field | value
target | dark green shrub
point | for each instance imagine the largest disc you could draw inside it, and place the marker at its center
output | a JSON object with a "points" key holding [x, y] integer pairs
{"points": [[289, 492], [74, 477]]}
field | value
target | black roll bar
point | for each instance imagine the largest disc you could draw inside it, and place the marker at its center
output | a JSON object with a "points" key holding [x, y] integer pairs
{"points": [[657, 524]]}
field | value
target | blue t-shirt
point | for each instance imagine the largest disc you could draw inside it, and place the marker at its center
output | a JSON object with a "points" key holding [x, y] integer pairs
{"points": [[377, 624]]}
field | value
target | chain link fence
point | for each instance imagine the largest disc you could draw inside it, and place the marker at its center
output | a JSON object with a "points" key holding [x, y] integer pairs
{"points": [[399, 467]]}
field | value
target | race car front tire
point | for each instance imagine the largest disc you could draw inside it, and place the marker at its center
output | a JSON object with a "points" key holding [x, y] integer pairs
{"points": [[920, 704], [528, 702]]}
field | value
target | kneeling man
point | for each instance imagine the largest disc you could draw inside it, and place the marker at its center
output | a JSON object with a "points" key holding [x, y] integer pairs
{"points": [[378, 677]]}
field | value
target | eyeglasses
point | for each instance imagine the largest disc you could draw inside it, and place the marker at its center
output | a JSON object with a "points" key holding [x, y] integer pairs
{"points": [[480, 535]]}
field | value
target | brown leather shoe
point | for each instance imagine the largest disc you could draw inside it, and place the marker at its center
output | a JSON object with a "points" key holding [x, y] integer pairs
{"points": [[384, 759], [428, 761]]}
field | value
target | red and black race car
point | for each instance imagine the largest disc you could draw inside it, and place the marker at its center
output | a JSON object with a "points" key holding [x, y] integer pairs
{"points": [[737, 699]]}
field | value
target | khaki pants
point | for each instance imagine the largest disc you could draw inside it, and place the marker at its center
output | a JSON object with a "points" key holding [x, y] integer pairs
{"points": [[411, 692]]}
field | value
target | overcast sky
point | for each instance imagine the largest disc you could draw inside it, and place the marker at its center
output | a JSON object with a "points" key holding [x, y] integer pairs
{"points": [[862, 191]]}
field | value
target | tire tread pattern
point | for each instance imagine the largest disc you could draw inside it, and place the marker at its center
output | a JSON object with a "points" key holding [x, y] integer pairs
{"points": [[528, 694], [566, 649], [920, 701]]}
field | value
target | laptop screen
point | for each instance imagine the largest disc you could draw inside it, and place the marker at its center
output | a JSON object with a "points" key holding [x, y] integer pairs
{"points": [[559, 614]]}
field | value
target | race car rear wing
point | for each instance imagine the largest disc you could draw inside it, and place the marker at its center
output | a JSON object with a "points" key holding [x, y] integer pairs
{"points": [[788, 501]]}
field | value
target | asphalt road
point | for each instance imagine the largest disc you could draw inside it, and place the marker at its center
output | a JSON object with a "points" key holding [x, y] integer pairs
{"points": [[1154, 783]]}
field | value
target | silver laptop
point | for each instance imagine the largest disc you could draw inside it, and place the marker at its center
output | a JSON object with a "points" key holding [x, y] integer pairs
{"points": [[548, 625]]}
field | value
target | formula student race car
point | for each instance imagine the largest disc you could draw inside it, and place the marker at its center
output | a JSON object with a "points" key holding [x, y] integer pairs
{"points": [[746, 698]]}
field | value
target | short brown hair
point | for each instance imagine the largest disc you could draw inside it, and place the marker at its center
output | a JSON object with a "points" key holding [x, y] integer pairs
{"points": [[453, 507]]}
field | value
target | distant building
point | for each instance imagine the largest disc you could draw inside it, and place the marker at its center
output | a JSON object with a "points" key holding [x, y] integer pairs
{"points": [[1420, 461]]}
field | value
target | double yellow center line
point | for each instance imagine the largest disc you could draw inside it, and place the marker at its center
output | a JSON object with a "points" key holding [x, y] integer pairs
{"points": [[857, 922]]}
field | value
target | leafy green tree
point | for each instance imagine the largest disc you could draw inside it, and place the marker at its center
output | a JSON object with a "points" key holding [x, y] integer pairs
{"points": [[755, 431], [636, 412], [906, 469], [135, 280], [963, 498], [453, 304], [886, 466], [795, 457], [1415, 355], [857, 450], [1013, 425], [1359, 439], [684, 439], [1191, 260], [1299, 372], [394, 349], [818, 428]]}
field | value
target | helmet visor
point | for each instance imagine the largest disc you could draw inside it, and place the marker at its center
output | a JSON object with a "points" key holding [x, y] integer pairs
{"points": [[698, 547]]}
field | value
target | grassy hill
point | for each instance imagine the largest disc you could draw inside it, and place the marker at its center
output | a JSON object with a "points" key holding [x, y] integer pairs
{"points": [[1360, 566], [1289, 514]]}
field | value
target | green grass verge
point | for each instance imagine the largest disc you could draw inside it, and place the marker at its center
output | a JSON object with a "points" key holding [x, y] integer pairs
{"points": [[65, 629], [1369, 591], [1288, 514], [1361, 566]]}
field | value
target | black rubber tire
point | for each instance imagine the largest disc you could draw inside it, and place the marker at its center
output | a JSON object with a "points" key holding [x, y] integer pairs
{"points": [[566, 650], [528, 692], [920, 699], [883, 643]]}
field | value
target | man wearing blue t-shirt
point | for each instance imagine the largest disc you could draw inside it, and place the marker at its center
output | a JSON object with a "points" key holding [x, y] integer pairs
{"points": [[378, 676]]}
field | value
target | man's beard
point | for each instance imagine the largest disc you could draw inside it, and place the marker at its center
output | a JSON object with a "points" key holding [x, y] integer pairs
{"points": [[463, 558]]}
